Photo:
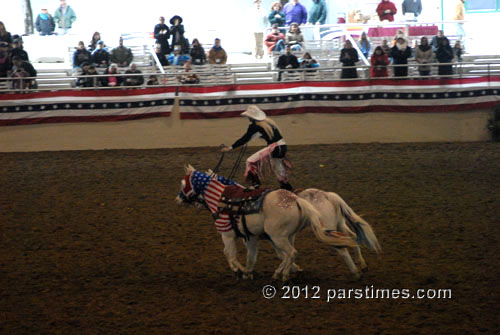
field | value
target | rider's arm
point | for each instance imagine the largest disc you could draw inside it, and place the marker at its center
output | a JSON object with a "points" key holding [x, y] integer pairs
{"points": [[251, 131]]}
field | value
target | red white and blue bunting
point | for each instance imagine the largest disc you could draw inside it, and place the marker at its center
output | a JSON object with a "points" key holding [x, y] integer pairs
{"points": [[387, 95], [85, 106]]}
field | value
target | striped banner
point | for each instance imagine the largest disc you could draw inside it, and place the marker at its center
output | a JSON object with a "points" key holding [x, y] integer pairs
{"points": [[85, 106], [361, 96]]}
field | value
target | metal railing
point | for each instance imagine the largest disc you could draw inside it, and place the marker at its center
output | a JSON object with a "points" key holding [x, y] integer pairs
{"points": [[171, 76]]}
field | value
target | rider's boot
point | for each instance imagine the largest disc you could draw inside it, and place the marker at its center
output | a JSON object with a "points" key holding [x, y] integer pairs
{"points": [[254, 179], [286, 186]]}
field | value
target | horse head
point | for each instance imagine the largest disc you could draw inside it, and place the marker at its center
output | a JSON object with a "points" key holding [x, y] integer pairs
{"points": [[187, 193]]}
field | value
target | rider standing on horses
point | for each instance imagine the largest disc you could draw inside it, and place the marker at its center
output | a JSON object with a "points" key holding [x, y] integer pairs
{"points": [[272, 155]]}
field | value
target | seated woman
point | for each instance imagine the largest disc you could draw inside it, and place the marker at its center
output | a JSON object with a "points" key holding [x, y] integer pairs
{"points": [[112, 80], [197, 53], [93, 43], [307, 62], [379, 62], [294, 37], [348, 57]]}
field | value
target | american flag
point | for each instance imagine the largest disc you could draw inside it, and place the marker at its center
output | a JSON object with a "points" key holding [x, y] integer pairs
{"points": [[212, 188]]}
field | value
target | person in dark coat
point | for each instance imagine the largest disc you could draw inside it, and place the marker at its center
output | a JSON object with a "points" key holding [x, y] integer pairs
{"points": [[287, 61], [18, 50], [444, 54], [436, 40], [112, 80], [162, 33], [81, 55], [197, 53], [348, 57], [45, 23], [177, 33], [20, 69], [5, 61], [5, 36], [133, 80], [161, 57], [400, 54], [100, 56]]}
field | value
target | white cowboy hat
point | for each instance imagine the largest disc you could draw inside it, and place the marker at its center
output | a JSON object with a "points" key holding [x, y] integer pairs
{"points": [[254, 112]]}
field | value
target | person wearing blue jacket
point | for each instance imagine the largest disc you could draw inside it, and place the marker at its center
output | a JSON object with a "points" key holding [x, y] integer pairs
{"points": [[45, 23], [295, 12]]}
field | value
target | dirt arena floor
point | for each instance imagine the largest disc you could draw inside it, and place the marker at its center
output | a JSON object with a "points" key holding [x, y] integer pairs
{"points": [[92, 242]]}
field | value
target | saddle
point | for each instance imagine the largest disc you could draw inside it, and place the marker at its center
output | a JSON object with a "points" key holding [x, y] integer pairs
{"points": [[239, 201]]}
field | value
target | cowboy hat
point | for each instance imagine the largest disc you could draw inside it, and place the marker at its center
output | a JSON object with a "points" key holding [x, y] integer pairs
{"points": [[176, 17], [254, 112]]}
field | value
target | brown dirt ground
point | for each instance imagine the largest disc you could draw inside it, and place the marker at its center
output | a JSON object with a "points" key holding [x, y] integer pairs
{"points": [[93, 243]]}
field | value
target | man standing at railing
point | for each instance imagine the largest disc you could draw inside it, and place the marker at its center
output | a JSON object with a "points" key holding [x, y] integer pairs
{"points": [[386, 10], [317, 13], [460, 16], [64, 17], [295, 12]]}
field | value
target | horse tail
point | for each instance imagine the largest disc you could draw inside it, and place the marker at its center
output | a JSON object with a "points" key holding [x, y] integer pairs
{"points": [[310, 215], [362, 229]]}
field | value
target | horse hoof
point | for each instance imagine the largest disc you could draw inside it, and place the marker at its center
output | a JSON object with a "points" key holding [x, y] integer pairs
{"points": [[365, 269], [296, 268], [239, 274], [357, 276], [276, 276], [248, 276]]}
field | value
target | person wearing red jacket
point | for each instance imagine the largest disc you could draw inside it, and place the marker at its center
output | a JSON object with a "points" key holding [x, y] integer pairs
{"points": [[379, 62], [386, 10]]}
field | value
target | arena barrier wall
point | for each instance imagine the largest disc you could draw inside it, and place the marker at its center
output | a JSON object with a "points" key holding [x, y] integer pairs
{"points": [[307, 112]]}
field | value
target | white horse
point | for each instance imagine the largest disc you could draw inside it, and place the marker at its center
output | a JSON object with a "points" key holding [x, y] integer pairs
{"points": [[336, 215], [282, 216]]}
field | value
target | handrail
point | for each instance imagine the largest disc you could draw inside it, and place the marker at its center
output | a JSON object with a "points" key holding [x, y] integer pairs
{"points": [[488, 67]]}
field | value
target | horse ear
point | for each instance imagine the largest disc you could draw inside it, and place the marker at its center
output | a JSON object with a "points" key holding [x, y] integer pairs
{"points": [[209, 172], [188, 168]]}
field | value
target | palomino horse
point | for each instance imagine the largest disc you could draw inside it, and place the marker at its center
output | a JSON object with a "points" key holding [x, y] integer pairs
{"points": [[282, 216], [336, 215]]}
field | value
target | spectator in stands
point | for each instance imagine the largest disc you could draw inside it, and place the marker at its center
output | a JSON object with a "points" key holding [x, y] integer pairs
{"points": [[318, 12], [4, 34], [84, 71], [458, 50], [17, 49], [80, 56], [197, 53], [217, 55], [295, 12], [348, 57], [444, 54], [294, 37], [385, 47], [177, 57], [45, 23], [436, 40], [307, 62], [162, 34], [188, 77], [259, 25], [93, 43], [121, 55], [133, 80], [379, 62], [412, 7], [152, 81], [424, 55], [287, 61], [364, 45], [400, 54], [460, 16], [161, 57], [100, 56], [399, 33], [275, 41], [112, 80], [64, 17], [386, 10], [22, 69], [5, 61], [277, 16], [177, 33], [86, 80]]}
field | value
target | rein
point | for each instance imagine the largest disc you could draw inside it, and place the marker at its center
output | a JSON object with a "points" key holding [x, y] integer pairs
{"points": [[238, 161]]}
